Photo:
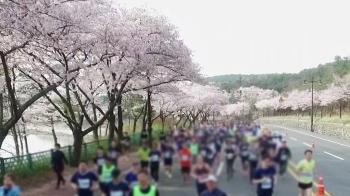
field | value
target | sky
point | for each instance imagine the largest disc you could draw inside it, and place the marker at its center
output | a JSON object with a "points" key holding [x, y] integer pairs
{"points": [[258, 36]]}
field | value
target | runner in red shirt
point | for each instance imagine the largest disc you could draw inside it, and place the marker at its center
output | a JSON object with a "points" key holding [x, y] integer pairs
{"points": [[185, 162]]}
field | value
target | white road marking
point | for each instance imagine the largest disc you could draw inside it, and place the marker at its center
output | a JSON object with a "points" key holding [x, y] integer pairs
{"points": [[313, 136], [307, 144], [334, 155], [220, 168], [293, 138]]}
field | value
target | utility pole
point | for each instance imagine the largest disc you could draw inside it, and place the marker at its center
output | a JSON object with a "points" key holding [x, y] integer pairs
{"points": [[312, 81]]}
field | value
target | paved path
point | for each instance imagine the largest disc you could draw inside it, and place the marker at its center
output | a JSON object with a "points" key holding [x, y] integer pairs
{"points": [[332, 156], [238, 186]]}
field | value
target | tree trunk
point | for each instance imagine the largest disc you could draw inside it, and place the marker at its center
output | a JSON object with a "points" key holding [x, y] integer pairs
{"points": [[120, 118], [184, 124], [163, 122], [53, 131], [106, 132], [111, 117], [100, 131], [77, 146], [15, 139], [194, 122], [177, 123], [340, 110], [190, 124], [20, 136], [25, 140], [144, 120], [95, 131], [149, 116], [134, 125]]}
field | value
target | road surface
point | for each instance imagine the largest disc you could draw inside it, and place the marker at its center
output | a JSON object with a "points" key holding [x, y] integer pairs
{"points": [[238, 186], [332, 157]]}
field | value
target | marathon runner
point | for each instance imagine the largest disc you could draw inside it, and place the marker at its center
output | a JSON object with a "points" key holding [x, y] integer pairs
{"points": [[200, 172], [168, 152], [283, 156], [185, 163], [84, 181], [306, 169], [144, 188], [155, 157], [131, 176], [265, 178], [116, 187]]}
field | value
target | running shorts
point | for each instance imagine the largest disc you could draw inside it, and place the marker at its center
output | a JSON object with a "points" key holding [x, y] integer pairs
{"points": [[304, 186], [144, 164], [168, 162], [185, 170]]}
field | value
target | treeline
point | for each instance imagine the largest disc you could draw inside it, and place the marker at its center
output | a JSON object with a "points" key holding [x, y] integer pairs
{"points": [[286, 81]]}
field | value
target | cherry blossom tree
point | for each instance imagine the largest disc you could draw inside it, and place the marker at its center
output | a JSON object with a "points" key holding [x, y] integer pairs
{"points": [[20, 29], [333, 95], [201, 99]]}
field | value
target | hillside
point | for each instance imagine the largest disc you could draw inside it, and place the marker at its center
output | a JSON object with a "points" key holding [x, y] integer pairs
{"points": [[286, 81]]}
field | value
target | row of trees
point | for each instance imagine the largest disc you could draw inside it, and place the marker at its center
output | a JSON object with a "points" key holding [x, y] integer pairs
{"points": [[334, 97], [80, 60]]}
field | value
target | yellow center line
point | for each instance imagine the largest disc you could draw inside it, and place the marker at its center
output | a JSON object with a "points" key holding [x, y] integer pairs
{"points": [[296, 177]]}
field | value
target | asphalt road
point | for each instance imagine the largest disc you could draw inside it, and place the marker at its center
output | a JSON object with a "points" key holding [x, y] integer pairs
{"points": [[332, 157], [238, 186]]}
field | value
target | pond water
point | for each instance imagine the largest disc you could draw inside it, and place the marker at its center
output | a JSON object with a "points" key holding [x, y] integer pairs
{"points": [[40, 139]]}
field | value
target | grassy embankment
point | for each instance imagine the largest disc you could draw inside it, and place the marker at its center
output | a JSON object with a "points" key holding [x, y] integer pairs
{"points": [[335, 120]]}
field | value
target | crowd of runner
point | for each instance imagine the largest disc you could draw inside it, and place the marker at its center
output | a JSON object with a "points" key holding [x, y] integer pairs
{"points": [[262, 154]]}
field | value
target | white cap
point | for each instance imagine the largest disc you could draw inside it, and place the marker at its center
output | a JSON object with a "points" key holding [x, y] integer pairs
{"points": [[211, 178]]}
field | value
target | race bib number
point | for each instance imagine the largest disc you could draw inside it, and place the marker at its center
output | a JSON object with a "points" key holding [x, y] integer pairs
{"points": [[229, 155], [202, 179], [107, 178], [308, 176], [244, 153], [84, 183], [185, 158], [167, 154], [133, 184], [283, 157], [117, 193], [252, 156], [114, 154], [100, 162], [267, 184], [155, 158]]}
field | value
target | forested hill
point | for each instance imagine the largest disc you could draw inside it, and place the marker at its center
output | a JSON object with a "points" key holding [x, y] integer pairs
{"points": [[286, 81]]}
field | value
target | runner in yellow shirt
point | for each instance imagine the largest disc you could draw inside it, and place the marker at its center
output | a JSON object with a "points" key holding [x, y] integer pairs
{"points": [[306, 171]]}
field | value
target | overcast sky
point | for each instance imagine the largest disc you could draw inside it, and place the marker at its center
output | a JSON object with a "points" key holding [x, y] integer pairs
{"points": [[259, 36]]}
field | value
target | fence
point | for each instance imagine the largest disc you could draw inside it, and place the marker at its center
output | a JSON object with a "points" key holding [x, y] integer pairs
{"points": [[35, 163]]}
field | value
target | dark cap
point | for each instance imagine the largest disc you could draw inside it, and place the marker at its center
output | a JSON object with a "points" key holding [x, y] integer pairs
{"points": [[116, 173], [109, 159]]}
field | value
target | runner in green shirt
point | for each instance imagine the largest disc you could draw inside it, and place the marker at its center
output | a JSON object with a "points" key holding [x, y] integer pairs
{"points": [[306, 171], [194, 148], [143, 154], [106, 173], [144, 188]]}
